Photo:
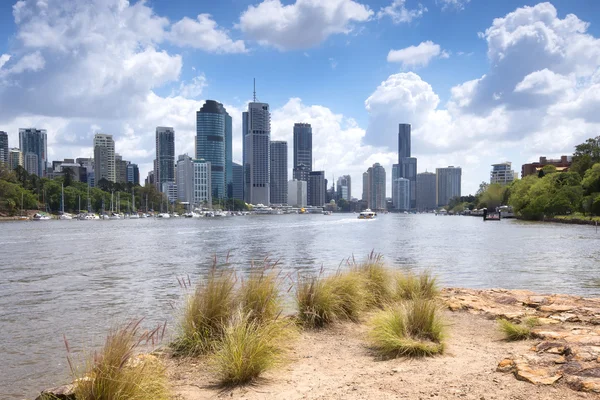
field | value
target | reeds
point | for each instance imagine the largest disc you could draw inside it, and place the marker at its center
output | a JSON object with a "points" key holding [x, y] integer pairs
{"points": [[259, 295], [412, 328], [377, 280], [514, 332], [118, 372], [318, 304]]}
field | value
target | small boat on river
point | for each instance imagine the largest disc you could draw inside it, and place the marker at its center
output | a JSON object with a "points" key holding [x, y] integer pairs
{"points": [[367, 214]]}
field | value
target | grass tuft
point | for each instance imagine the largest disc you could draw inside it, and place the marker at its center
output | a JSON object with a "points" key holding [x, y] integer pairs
{"points": [[205, 314], [513, 332], [378, 280], [412, 328], [410, 286], [117, 372], [259, 295], [349, 291], [318, 304], [249, 348]]}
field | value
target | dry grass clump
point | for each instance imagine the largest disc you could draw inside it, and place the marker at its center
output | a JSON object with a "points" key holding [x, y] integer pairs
{"points": [[378, 280], [318, 304], [249, 347], [259, 295], [206, 311], [412, 328], [410, 286], [513, 332], [349, 290], [115, 372]]}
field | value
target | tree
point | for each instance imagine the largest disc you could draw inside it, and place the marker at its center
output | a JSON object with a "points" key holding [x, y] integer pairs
{"points": [[492, 197], [586, 155], [68, 177], [591, 180]]}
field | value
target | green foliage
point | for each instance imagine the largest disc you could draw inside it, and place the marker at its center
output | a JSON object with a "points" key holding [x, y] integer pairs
{"points": [[492, 197], [410, 286], [116, 372], [11, 195], [413, 328], [206, 313], [318, 304], [378, 280], [591, 180], [350, 289], [249, 348], [513, 332], [259, 294]]}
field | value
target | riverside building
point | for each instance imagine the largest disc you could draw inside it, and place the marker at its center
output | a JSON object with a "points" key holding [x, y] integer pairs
{"points": [[256, 128], [104, 158], [34, 146], [164, 167], [279, 172]]}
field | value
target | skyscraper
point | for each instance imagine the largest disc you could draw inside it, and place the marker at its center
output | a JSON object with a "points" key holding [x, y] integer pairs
{"points": [[164, 167], [202, 183], [366, 186], [401, 194], [15, 158], [133, 174], [297, 193], [376, 196], [185, 179], [3, 147], [104, 158], [403, 141], [302, 151], [237, 182], [256, 123], [213, 131], [279, 172], [317, 187], [426, 190], [344, 187], [448, 183], [34, 146], [228, 156], [120, 169]]}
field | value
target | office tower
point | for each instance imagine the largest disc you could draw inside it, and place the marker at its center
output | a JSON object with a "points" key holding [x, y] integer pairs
{"points": [[426, 189], [88, 164], [237, 182], [279, 172], [366, 186], [120, 169], [401, 194], [316, 188], [376, 180], [164, 167], [133, 174], [302, 151], [502, 173], [403, 141], [34, 146], [170, 189], [256, 124], [202, 183], [15, 158], [448, 184], [213, 131], [228, 156], [344, 187], [150, 178], [185, 179], [104, 158], [3, 147], [297, 191]]}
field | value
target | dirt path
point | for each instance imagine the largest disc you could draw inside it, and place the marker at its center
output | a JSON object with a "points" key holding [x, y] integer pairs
{"points": [[337, 364]]}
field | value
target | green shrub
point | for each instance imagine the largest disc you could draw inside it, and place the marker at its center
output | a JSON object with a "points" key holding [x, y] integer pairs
{"points": [[410, 286], [513, 332]]}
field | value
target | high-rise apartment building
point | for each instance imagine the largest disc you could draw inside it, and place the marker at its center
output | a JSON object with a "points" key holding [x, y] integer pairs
{"points": [[448, 184], [15, 158], [344, 187], [185, 178], [302, 151], [34, 146], [88, 164], [120, 169], [403, 141], [133, 174], [297, 192], [279, 172], [3, 147], [164, 167], [213, 131], [502, 173], [256, 125], [202, 183], [426, 191], [237, 181], [376, 179], [316, 188], [104, 158], [401, 194], [366, 186], [170, 189]]}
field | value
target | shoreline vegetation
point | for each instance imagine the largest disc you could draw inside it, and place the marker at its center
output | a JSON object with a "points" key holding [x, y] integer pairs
{"points": [[353, 334]]}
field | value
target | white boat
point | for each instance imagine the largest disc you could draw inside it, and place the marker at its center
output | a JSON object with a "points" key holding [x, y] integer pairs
{"points": [[65, 216], [163, 215], [220, 213], [89, 217], [40, 217], [367, 214], [115, 216], [134, 216]]}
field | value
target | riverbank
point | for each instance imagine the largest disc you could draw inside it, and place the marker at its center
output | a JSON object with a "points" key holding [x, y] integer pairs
{"points": [[561, 361]]}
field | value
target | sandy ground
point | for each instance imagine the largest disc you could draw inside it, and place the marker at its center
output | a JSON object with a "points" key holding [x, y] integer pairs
{"points": [[337, 364]]}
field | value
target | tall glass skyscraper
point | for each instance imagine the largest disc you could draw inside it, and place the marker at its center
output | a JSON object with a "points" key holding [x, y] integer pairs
{"points": [[238, 182], [407, 165], [279, 172], [164, 171], [34, 147], [403, 141], [4, 147], [302, 151], [213, 131], [256, 123]]}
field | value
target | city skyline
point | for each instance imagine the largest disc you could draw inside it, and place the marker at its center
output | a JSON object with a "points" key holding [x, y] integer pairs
{"points": [[465, 99]]}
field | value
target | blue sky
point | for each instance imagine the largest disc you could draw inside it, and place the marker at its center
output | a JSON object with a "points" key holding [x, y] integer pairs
{"points": [[481, 81]]}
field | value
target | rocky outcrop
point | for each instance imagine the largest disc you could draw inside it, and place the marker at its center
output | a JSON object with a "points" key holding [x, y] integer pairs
{"points": [[567, 338], [58, 393]]}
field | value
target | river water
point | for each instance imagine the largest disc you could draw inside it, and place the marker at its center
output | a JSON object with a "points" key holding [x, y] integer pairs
{"points": [[79, 278]]}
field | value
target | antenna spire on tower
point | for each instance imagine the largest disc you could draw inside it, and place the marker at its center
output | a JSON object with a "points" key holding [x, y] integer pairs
{"points": [[254, 90]]}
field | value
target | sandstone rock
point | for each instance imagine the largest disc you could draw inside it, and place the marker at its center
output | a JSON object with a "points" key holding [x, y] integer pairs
{"points": [[58, 393], [549, 335], [506, 365], [547, 321], [557, 308], [584, 384], [540, 376], [536, 301], [551, 347]]}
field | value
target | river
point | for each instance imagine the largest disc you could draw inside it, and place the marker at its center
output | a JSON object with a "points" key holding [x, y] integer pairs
{"points": [[80, 278]]}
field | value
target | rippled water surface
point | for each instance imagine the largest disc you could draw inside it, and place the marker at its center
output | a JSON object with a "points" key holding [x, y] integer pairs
{"points": [[79, 278]]}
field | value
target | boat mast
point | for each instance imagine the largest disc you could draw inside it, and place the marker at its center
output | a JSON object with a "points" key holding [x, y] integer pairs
{"points": [[62, 197]]}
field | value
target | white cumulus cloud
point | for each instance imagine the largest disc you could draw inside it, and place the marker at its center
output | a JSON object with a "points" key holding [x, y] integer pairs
{"points": [[417, 56], [398, 12], [203, 33]]}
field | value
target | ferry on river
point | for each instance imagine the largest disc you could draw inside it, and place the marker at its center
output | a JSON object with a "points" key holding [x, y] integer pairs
{"points": [[367, 214]]}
